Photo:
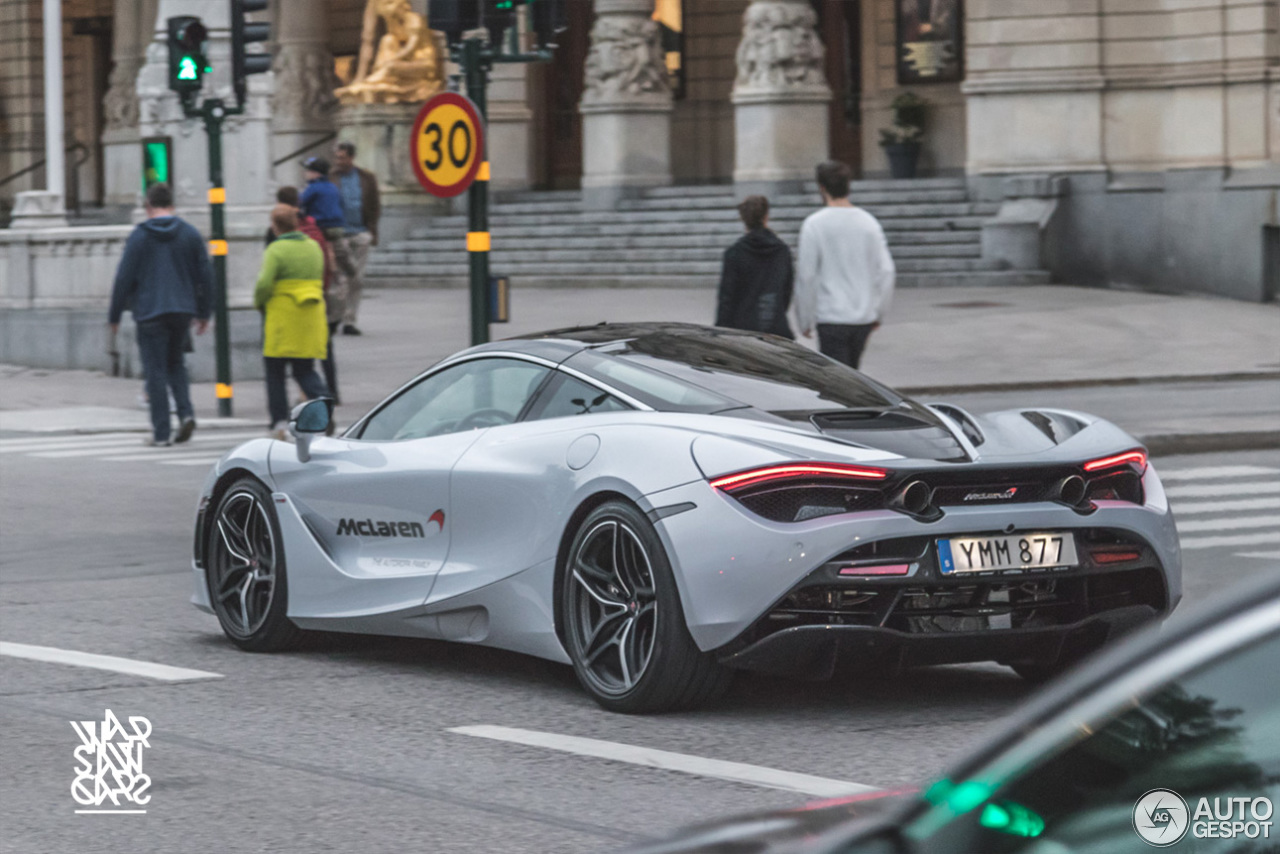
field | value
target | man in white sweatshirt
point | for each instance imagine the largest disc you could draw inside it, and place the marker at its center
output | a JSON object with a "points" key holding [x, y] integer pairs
{"points": [[845, 281]]}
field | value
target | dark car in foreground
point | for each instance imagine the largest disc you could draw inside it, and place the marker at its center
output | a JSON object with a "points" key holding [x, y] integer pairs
{"points": [[1170, 739]]}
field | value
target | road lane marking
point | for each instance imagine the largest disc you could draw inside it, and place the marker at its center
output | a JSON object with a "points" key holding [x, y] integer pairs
{"points": [[132, 667], [1262, 555], [1237, 540], [737, 772], [1195, 507], [1215, 472], [1208, 490], [1229, 524], [194, 461]]}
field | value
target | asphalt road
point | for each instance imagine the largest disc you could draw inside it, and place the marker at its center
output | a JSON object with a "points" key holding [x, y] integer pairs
{"points": [[346, 745]]}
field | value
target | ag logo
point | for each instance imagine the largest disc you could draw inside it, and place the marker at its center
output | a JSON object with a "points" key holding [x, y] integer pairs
{"points": [[1160, 817]]}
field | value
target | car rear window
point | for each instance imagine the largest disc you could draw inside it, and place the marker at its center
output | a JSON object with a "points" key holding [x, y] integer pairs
{"points": [[761, 371]]}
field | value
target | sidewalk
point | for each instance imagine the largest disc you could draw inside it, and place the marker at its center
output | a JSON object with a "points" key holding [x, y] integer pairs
{"points": [[935, 342]]}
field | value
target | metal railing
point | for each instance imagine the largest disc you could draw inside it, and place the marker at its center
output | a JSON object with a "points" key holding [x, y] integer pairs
{"points": [[73, 174], [310, 145]]}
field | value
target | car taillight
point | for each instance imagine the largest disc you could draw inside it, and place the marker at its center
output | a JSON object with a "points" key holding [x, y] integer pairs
{"points": [[803, 471], [794, 492], [1117, 477], [1135, 459], [1111, 554]]}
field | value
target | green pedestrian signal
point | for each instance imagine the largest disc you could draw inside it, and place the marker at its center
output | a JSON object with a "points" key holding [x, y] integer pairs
{"points": [[187, 63]]}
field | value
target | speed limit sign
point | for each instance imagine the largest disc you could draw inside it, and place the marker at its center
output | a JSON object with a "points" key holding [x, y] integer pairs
{"points": [[447, 144]]}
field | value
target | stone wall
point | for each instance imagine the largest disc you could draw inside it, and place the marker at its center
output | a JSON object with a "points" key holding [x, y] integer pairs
{"points": [[944, 143], [1164, 115], [21, 88], [702, 123]]}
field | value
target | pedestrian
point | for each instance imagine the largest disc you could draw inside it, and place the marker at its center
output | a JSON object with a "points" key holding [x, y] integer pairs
{"points": [[307, 225], [321, 201], [757, 276], [846, 273], [361, 210], [166, 281], [290, 293]]}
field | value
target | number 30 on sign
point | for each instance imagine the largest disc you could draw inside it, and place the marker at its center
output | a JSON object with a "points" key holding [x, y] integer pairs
{"points": [[447, 145]]}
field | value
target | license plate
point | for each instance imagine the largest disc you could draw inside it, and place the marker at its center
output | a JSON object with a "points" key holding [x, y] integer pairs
{"points": [[1017, 551]]}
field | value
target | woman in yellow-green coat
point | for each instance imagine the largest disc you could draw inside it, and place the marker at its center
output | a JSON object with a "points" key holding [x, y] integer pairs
{"points": [[290, 293]]}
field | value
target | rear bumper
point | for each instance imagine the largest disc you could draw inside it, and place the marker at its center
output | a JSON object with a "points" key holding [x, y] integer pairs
{"points": [[817, 651]]}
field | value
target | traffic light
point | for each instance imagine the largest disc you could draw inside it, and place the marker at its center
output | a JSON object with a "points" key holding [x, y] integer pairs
{"points": [[547, 19], [243, 32], [453, 17], [499, 16], [187, 36]]}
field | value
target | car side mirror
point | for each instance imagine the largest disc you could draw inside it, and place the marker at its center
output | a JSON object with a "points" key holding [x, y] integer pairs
{"points": [[309, 420]]}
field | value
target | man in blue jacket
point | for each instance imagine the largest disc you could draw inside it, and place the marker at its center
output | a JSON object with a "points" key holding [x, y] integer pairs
{"points": [[322, 201], [166, 281]]}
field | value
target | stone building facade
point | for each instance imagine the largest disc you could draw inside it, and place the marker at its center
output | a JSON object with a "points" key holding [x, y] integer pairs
{"points": [[1131, 142]]}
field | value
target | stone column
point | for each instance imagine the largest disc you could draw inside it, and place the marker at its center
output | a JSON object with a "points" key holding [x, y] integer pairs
{"points": [[626, 105], [780, 98], [46, 208], [303, 106], [132, 29], [510, 148]]}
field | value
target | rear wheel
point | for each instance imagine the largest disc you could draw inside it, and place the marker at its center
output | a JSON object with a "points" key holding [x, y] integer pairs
{"points": [[624, 626], [246, 570]]}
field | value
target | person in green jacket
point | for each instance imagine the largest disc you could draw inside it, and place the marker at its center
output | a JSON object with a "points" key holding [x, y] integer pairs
{"points": [[290, 293]]}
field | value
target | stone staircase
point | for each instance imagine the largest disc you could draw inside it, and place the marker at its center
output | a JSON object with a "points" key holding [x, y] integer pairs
{"points": [[675, 236]]}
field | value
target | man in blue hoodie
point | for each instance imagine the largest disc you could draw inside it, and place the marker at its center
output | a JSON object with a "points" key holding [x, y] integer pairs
{"points": [[166, 280]]}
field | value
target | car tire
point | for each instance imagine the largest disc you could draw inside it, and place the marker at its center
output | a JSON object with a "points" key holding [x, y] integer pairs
{"points": [[624, 626], [245, 570]]}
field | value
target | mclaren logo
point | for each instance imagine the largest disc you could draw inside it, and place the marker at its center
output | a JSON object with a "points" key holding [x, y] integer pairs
{"points": [[373, 528], [992, 496]]}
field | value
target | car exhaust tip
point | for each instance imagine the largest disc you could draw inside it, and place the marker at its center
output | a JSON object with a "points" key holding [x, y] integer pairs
{"points": [[913, 498], [1071, 490]]}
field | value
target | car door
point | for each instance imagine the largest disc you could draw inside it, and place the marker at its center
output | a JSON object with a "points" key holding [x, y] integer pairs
{"points": [[378, 500]]}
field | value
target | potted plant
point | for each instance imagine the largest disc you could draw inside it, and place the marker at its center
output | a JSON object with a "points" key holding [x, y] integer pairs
{"points": [[901, 143]]}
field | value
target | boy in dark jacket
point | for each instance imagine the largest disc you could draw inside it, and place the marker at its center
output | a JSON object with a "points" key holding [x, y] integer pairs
{"points": [[757, 276], [166, 280]]}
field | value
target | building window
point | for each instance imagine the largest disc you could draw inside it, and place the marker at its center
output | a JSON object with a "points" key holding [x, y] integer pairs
{"points": [[670, 17]]}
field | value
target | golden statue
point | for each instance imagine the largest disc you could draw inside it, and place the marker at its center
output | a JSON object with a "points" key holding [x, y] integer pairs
{"points": [[407, 67]]}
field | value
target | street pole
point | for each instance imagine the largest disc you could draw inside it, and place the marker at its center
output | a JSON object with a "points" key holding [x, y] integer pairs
{"points": [[214, 112], [478, 238]]}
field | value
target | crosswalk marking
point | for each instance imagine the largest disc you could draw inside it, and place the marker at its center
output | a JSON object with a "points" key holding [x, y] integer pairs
{"points": [[1208, 490], [1189, 543], [1229, 524], [1193, 508], [203, 449], [1233, 507], [163, 455], [135, 442], [1216, 472]]}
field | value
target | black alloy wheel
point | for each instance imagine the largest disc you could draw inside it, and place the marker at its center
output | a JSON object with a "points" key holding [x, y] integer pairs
{"points": [[624, 627], [246, 571]]}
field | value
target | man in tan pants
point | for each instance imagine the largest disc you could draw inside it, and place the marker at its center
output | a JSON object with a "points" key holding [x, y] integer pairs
{"points": [[361, 209]]}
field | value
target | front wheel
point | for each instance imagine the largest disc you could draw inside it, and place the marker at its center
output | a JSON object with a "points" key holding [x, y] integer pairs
{"points": [[624, 626], [246, 570]]}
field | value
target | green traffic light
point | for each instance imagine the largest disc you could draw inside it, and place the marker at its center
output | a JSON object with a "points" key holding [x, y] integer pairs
{"points": [[188, 69]]}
